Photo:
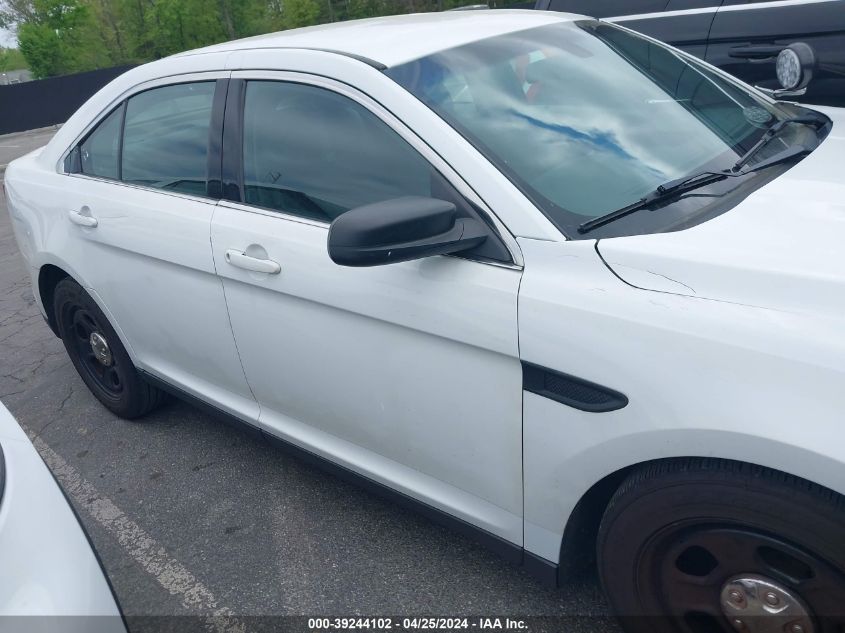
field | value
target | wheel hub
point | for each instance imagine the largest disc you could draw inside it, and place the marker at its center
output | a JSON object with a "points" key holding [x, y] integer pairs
{"points": [[757, 604], [100, 348]]}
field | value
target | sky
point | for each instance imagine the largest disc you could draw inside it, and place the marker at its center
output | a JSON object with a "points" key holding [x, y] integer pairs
{"points": [[7, 38]]}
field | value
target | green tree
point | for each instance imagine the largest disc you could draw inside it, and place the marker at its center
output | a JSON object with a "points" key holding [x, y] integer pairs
{"points": [[298, 13], [65, 36], [178, 25], [41, 47], [61, 36], [11, 59], [111, 30]]}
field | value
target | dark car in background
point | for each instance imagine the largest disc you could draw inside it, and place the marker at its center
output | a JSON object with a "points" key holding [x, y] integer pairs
{"points": [[743, 37]]}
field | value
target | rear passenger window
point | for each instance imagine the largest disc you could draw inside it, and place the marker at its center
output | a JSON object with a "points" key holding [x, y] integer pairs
{"points": [[98, 154], [165, 142], [314, 153]]}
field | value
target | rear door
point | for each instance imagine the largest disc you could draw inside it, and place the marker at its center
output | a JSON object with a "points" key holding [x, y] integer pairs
{"points": [[140, 177], [746, 35], [681, 23], [602, 8], [684, 24], [408, 373]]}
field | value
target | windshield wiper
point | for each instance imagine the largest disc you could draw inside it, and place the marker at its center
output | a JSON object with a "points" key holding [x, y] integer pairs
{"points": [[688, 183], [770, 134], [666, 190]]}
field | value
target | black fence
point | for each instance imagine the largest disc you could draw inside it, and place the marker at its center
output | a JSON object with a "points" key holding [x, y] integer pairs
{"points": [[35, 104]]}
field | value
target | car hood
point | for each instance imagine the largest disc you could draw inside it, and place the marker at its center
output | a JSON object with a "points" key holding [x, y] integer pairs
{"points": [[783, 247]]}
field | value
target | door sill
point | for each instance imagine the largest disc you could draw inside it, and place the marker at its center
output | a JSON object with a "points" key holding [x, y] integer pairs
{"points": [[541, 569]]}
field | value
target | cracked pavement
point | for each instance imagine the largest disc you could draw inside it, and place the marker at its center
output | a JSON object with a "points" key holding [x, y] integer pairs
{"points": [[266, 533]]}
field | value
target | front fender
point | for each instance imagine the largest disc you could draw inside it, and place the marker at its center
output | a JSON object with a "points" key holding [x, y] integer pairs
{"points": [[560, 478], [703, 378]]}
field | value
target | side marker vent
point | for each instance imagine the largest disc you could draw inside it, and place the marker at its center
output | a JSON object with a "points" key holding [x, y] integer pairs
{"points": [[571, 391]]}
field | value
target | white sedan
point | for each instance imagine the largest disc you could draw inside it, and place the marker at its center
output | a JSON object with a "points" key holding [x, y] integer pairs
{"points": [[554, 283], [51, 579]]}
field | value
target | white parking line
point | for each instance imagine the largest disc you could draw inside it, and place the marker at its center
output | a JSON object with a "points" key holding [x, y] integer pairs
{"points": [[169, 572]]}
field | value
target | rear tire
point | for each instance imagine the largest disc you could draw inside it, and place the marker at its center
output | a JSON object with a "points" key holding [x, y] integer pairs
{"points": [[98, 354], [679, 535]]}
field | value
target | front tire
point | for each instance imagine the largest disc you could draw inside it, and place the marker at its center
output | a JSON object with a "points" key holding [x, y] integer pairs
{"points": [[98, 355], [715, 546]]}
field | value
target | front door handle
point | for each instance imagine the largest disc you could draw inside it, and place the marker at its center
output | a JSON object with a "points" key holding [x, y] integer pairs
{"points": [[83, 217], [241, 260], [760, 52]]}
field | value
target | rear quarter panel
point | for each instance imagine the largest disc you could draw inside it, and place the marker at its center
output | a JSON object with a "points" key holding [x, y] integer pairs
{"points": [[29, 227]]}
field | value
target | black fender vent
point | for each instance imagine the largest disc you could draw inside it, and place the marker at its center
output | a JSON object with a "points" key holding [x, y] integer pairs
{"points": [[571, 391]]}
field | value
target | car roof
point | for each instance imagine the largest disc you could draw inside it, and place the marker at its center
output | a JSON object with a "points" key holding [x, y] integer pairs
{"points": [[397, 39]]}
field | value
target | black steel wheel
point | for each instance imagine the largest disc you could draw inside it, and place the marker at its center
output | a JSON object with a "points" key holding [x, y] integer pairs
{"points": [[94, 352], [98, 354], [714, 546]]}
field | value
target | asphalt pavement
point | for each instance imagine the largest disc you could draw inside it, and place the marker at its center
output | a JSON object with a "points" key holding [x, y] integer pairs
{"points": [[193, 517], [14, 145]]}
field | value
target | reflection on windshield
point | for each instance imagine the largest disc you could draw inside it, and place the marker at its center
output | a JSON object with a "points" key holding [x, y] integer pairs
{"points": [[586, 117]]}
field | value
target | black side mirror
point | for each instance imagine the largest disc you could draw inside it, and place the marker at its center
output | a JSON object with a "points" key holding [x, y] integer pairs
{"points": [[399, 230]]}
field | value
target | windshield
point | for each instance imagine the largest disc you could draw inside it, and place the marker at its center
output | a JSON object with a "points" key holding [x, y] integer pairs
{"points": [[586, 117]]}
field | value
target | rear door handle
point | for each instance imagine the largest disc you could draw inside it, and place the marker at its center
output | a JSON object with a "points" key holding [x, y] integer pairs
{"points": [[241, 260], [83, 217]]}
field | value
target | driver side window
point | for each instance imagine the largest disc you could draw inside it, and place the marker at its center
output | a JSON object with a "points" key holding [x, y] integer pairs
{"points": [[313, 153]]}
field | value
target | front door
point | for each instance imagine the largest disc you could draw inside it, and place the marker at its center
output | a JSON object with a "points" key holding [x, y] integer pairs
{"points": [[408, 373], [747, 35]]}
